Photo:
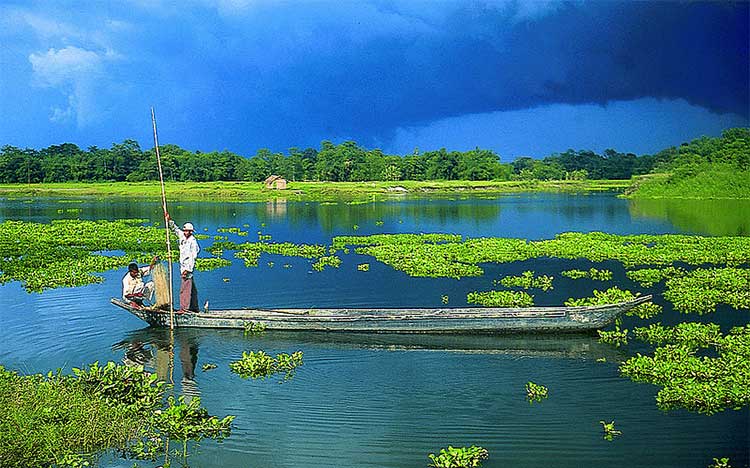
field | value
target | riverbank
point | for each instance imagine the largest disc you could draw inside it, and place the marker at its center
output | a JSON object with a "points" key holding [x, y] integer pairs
{"points": [[303, 191], [703, 182]]}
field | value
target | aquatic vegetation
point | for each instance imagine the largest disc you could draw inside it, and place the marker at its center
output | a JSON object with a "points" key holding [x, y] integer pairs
{"points": [[208, 366], [444, 299], [527, 280], [379, 223], [460, 457], [500, 298], [64, 253], [616, 337], [253, 328], [648, 277], [612, 295], [259, 365], [250, 251], [592, 273], [66, 420], [445, 255], [331, 261], [189, 421], [645, 311], [720, 463], [609, 430], [535, 392], [363, 267], [205, 264], [270, 264], [702, 290], [220, 238], [233, 230], [699, 368], [575, 274]]}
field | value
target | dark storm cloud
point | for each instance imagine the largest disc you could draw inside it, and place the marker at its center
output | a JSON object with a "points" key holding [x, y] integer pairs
{"points": [[242, 74], [358, 73]]}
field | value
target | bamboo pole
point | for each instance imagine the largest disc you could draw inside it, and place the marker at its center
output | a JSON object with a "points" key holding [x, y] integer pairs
{"points": [[166, 222]]}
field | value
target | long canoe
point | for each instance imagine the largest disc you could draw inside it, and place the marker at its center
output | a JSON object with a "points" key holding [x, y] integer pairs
{"points": [[410, 320]]}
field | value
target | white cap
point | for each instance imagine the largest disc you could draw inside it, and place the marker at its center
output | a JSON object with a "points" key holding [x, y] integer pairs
{"points": [[188, 227]]}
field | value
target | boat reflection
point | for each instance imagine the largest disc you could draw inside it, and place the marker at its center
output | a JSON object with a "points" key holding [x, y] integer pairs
{"points": [[152, 351], [567, 346]]}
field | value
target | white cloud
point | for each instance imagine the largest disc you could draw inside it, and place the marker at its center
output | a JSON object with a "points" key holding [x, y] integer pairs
{"points": [[75, 72]]}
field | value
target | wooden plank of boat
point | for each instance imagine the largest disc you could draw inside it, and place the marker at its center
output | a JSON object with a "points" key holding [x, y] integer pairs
{"points": [[408, 320]]}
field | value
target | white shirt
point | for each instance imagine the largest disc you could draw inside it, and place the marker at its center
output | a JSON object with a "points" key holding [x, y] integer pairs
{"points": [[189, 248], [135, 285]]}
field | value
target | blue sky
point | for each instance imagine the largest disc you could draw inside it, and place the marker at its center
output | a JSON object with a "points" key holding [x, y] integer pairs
{"points": [[521, 77]]}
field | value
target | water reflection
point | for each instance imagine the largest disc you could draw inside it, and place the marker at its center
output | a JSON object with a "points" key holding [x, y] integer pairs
{"points": [[150, 346], [712, 217], [152, 349]]}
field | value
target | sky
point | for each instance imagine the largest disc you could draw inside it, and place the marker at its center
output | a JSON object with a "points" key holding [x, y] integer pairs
{"points": [[520, 77]]}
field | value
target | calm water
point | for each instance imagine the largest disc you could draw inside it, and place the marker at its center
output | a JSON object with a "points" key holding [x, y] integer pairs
{"points": [[388, 401]]}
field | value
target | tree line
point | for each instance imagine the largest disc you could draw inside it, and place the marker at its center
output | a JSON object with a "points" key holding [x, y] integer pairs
{"points": [[346, 161]]}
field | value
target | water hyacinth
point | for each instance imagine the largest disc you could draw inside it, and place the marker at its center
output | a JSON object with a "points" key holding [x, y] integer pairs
{"points": [[706, 383], [535, 392], [648, 277], [460, 457], [702, 290], [527, 280], [592, 273], [331, 261], [501, 299], [259, 365]]}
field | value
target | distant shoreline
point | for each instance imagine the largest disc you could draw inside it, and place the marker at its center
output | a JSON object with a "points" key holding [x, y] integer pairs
{"points": [[304, 191]]}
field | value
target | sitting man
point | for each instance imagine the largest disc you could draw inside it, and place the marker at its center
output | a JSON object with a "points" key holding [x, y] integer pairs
{"points": [[134, 290]]}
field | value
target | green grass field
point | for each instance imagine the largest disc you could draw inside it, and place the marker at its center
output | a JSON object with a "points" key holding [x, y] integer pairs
{"points": [[302, 191]]}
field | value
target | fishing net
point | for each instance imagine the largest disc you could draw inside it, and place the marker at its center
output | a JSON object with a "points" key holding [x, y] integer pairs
{"points": [[161, 286]]}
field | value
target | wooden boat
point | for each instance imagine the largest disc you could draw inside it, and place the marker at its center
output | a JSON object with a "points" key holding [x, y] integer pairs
{"points": [[411, 320]]}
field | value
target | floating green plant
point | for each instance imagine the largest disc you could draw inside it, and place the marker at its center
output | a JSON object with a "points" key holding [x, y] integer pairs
{"points": [[645, 311], [616, 337], [460, 457], [575, 274], [208, 366], [720, 463], [592, 273], [535, 392], [527, 280], [204, 264], [501, 299], [444, 299], [448, 256], [648, 277], [250, 251], [363, 267], [259, 365], [612, 295], [331, 261], [64, 253], [716, 379], [702, 290], [253, 328], [609, 430]]}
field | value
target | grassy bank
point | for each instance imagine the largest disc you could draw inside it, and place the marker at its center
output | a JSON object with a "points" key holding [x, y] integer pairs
{"points": [[70, 420], [704, 182], [303, 191]]}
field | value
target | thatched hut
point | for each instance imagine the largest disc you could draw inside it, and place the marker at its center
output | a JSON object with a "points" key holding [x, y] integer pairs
{"points": [[275, 182]]}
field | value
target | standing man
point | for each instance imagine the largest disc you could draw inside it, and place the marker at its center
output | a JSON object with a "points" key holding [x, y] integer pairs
{"points": [[134, 290], [188, 253]]}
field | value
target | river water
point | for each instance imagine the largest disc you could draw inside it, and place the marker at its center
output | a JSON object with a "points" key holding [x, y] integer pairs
{"points": [[380, 400]]}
